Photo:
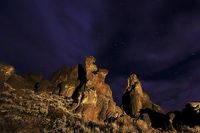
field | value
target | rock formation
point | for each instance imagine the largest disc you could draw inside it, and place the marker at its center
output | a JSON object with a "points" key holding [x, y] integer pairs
{"points": [[97, 101], [96, 78], [78, 99], [135, 99]]}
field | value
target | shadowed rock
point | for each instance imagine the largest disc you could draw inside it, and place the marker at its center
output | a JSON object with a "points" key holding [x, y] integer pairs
{"points": [[69, 86], [34, 78], [67, 81], [18, 82], [157, 120], [60, 76], [191, 114], [44, 86]]}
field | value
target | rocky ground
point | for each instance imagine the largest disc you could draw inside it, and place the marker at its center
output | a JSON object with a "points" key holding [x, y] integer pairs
{"points": [[78, 99]]}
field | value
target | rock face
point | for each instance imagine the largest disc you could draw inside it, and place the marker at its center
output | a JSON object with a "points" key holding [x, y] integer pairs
{"points": [[135, 99], [66, 80], [97, 102], [78, 99]]}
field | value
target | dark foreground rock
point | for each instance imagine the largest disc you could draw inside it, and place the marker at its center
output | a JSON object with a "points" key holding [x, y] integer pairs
{"points": [[78, 99]]}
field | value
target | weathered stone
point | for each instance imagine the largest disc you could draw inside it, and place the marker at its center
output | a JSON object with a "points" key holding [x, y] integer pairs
{"points": [[89, 105], [84, 103], [74, 72], [143, 126], [90, 67], [67, 80], [125, 119], [97, 104], [68, 88], [73, 81], [6, 71], [134, 98], [96, 79], [97, 107], [106, 108], [146, 118]]}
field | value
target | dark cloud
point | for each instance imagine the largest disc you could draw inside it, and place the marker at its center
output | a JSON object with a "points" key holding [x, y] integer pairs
{"points": [[157, 39]]}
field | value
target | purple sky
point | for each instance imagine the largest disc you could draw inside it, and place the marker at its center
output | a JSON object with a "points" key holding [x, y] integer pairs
{"points": [[157, 39]]}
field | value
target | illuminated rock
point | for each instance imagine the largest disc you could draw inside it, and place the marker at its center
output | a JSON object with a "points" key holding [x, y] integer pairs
{"points": [[98, 108], [66, 80], [96, 78], [6, 71], [82, 102], [134, 98]]}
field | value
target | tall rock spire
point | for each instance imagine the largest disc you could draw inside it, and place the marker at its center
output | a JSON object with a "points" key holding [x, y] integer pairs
{"points": [[135, 99]]}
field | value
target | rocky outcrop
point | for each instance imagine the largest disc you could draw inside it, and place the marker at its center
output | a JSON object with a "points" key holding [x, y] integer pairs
{"points": [[135, 99], [97, 102], [96, 78], [30, 103], [78, 99]]}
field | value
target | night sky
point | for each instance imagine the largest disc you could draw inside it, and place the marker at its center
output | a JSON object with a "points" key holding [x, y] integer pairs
{"points": [[159, 40]]}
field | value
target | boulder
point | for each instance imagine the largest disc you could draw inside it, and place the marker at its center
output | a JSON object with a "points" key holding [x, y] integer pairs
{"points": [[6, 71]]}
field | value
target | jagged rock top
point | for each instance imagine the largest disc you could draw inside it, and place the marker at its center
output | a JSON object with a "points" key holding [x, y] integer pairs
{"points": [[78, 99], [196, 106], [135, 99]]}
